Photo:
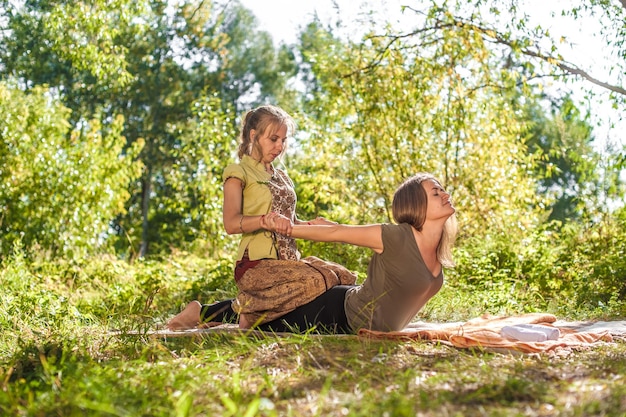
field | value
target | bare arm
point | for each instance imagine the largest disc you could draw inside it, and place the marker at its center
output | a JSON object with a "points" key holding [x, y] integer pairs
{"points": [[368, 236], [233, 202], [317, 220]]}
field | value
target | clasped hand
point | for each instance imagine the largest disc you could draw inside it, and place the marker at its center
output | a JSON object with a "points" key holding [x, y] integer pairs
{"points": [[275, 222], [278, 223]]}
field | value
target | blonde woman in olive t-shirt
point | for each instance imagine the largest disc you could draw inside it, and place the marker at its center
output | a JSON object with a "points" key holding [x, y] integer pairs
{"points": [[406, 269]]}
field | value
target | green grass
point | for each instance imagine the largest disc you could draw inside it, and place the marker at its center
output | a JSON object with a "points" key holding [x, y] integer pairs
{"points": [[62, 355]]}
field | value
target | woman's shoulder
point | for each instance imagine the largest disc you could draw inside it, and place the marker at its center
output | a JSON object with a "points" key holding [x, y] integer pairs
{"points": [[233, 170], [400, 228], [396, 235], [234, 165], [244, 168]]}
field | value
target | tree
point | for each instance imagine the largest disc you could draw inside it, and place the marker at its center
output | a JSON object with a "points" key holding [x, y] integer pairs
{"points": [[567, 167], [389, 109], [59, 43], [171, 55], [540, 57], [59, 187], [387, 75], [511, 27], [191, 217]]}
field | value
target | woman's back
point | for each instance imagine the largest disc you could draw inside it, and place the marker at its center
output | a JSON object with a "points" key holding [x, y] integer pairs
{"points": [[398, 284]]}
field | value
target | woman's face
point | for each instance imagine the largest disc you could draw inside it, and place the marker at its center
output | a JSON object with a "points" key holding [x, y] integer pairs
{"points": [[439, 202], [270, 145]]}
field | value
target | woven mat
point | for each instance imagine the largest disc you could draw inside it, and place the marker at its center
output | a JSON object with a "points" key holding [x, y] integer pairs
{"points": [[615, 330]]}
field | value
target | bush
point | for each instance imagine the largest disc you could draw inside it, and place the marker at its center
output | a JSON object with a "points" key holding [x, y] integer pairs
{"points": [[577, 267]]}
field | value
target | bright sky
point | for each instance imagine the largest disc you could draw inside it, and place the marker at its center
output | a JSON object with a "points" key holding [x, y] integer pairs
{"points": [[284, 18]]}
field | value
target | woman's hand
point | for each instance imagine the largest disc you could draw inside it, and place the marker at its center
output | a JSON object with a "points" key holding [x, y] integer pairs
{"points": [[278, 223]]}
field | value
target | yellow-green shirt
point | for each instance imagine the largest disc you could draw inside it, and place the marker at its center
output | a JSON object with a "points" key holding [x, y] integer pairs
{"points": [[258, 200]]}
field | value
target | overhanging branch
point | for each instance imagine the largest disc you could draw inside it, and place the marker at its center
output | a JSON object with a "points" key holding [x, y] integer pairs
{"points": [[498, 38], [560, 63]]}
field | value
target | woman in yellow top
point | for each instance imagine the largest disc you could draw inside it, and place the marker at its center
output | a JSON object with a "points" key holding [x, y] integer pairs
{"points": [[254, 187]]}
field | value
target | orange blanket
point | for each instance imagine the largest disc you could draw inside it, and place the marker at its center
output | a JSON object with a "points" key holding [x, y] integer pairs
{"points": [[484, 332]]}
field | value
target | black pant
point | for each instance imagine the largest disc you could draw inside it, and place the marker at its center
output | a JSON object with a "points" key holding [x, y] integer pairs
{"points": [[325, 314], [219, 312]]}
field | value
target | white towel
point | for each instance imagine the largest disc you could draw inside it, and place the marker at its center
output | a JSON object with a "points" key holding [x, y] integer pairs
{"points": [[531, 332]]}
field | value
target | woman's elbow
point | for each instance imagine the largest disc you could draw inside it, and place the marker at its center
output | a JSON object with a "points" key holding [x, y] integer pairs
{"points": [[230, 230]]}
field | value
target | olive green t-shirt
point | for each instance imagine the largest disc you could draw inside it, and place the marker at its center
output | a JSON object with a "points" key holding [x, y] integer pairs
{"points": [[397, 286]]}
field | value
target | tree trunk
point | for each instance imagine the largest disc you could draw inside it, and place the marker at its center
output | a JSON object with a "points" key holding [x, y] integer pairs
{"points": [[146, 188]]}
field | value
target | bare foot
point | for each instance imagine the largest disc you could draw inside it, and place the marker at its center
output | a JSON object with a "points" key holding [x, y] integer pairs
{"points": [[189, 318], [243, 322]]}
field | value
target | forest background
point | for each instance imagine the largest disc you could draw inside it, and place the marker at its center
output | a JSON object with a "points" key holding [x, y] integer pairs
{"points": [[118, 118]]}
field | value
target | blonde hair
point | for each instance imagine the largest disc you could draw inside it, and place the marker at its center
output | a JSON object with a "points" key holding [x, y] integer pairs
{"points": [[259, 120], [409, 205]]}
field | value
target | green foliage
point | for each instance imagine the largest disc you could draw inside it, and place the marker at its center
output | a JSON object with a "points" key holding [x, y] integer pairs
{"points": [[376, 109], [567, 165], [250, 69], [190, 207], [583, 264], [394, 111], [149, 61], [101, 291], [79, 40], [59, 187]]}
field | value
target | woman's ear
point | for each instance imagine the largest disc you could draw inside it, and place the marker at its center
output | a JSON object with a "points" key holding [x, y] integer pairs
{"points": [[252, 135]]}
